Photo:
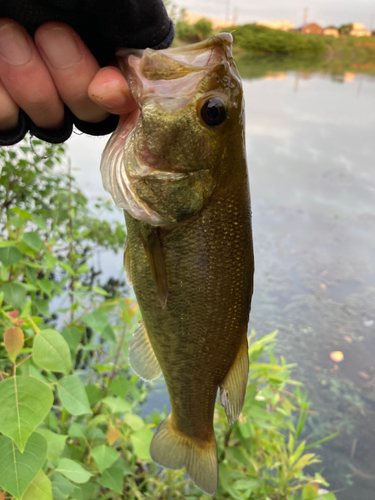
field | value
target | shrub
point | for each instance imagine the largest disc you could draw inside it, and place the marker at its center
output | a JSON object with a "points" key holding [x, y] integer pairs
{"points": [[260, 39], [193, 33]]}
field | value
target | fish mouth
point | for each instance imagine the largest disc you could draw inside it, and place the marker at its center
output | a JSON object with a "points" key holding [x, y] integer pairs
{"points": [[169, 78], [164, 74]]}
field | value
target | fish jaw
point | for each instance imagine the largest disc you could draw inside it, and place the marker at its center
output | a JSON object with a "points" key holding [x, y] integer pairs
{"points": [[161, 163]]}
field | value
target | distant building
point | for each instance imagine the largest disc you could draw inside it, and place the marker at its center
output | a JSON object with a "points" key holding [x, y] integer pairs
{"points": [[217, 24], [312, 29], [284, 25], [331, 31], [360, 30]]}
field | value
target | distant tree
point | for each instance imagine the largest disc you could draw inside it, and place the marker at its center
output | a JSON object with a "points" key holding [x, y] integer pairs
{"points": [[345, 29], [192, 33], [203, 28]]}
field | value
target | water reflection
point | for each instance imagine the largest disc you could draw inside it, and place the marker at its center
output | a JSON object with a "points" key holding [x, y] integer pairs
{"points": [[310, 158], [311, 162]]}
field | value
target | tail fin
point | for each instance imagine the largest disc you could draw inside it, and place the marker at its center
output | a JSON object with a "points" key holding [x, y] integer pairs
{"points": [[174, 450]]}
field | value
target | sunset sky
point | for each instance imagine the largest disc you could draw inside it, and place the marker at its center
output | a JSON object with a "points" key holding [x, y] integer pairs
{"points": [[324, 12]]}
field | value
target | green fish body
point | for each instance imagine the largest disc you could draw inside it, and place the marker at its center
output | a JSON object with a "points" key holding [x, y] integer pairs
{"points": [[178, 168]]}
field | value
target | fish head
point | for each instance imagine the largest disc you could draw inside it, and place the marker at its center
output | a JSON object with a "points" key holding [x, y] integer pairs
{"points": [[163, 162]]}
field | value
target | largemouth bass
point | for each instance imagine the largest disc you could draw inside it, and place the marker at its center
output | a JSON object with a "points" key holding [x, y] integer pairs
{"points": [[178, 168]]}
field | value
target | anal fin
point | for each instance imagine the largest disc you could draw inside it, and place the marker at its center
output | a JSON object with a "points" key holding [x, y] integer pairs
{"points": [[233, 388], [172, 449], [142, 358]]}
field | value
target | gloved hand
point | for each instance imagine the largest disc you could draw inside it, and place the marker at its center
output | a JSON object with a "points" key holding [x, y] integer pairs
{"points": [[56, 78]]}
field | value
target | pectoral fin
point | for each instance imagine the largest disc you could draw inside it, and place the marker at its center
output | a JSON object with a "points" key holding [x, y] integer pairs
{"points": [[142, 358], [233, 388], [156, 261], [128, 276]]}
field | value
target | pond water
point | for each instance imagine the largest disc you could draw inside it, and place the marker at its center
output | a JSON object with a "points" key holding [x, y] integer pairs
{"points": [[311, 151]]}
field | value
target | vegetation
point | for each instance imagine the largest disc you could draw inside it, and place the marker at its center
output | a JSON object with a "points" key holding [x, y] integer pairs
{"points": [[193, 33], [262, 40], [277, 50], [71, 422], [345, 29]]}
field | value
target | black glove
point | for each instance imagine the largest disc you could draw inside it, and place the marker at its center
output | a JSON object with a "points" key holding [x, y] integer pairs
{"points": [[104, 26]]}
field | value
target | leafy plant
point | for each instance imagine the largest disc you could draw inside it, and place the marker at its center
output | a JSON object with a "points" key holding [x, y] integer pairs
{"points": [[71, 423]]}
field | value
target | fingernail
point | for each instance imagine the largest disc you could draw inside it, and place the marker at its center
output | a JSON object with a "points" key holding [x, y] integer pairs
{"points": [[14, 47], [60, 47]]}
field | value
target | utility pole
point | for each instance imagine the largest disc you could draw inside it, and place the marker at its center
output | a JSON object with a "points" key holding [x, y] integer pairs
{"points": [[305, 16], [372, 21], [235, 15]]}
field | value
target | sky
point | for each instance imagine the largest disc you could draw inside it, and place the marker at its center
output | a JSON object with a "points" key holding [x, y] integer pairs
{"points": [[323, 12]]}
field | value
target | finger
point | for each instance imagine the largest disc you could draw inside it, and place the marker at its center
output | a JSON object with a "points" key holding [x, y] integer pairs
{"points": [[26, 78], [72, 67], [9, 110], [110, 90]]}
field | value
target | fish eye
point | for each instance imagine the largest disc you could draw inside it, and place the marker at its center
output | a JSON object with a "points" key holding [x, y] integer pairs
{"points": [[213, 111]]}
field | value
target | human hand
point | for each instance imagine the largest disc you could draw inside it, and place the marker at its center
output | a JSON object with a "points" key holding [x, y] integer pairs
{"points": [[56, 67]]}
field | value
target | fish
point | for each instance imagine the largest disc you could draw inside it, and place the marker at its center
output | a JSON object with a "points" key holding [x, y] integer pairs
{"points": [[177, 166]]}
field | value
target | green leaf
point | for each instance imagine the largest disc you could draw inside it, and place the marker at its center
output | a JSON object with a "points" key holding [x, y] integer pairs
{"points": [[25, 403], [323, 440], [113, 479], [17, 469], [77, 430], [14, 295], [135, 422], [100, 290], [96, 320], [87, 491], [73, 336], [61, 487], [22, 213], [56, 443], [141, 441], [40, 488], [104, 456], [40, 222], [327, 496], [117, 405], [46, 286], [73, 395], [121, 386], [73, 471], [43, 307], [51, 352], [108, 334], [33, 240], [10, 256], [309, 492], [234, 493], [94, 394]]}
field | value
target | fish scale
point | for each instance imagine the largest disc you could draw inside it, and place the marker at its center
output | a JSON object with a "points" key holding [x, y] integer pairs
{"points": [[190, 262]]}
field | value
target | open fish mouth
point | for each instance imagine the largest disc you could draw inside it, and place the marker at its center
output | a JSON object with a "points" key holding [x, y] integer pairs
{"points": [[164, 81]]}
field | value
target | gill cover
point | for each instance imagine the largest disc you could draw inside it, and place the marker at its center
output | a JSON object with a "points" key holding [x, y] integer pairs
{"points": [[161, 163]]}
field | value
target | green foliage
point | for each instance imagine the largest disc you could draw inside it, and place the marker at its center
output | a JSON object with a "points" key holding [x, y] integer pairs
{"points": [[70, 420], [345, 29], [262, 40], [193, 33]]}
